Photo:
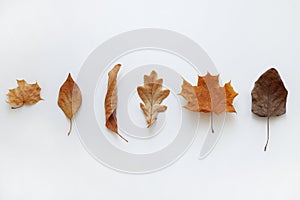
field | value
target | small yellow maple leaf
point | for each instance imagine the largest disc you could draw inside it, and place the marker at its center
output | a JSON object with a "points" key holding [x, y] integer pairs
{"points": [[24, 94]]}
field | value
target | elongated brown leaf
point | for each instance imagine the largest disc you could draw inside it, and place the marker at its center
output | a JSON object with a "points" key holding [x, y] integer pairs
{"points": [[69, 99], [269, 97], [111, 101], [24, 94], [152, 95]]}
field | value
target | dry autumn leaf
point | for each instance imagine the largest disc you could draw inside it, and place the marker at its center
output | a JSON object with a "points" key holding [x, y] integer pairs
{"points": [[111, 101], [208, 96], [269, 97], [24, 94], [69, 99], [152, 95]]}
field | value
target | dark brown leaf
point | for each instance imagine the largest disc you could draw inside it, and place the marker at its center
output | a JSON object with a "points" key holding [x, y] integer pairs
{"points": [[269, 97]]}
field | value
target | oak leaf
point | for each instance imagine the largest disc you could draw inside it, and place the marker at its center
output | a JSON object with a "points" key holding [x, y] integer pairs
{"points": [[208, 96], [69, 99], [152, 95], [111, 101], [269, 97], [24, 94]]}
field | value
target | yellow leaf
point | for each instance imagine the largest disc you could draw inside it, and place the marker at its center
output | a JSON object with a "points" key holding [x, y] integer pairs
{"points": [[24, 94]]}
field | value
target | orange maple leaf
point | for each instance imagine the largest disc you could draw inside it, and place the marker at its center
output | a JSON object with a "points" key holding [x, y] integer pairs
{"points": [[208, 95]]}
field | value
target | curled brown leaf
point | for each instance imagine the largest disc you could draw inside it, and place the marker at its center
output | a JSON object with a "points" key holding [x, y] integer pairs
{"points": [[111, 101]]}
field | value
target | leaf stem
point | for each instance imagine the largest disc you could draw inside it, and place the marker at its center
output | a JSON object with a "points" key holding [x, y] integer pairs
{"points": [[17, 106], [122, 137], [268, 133], [71, 125], [212, 122]]}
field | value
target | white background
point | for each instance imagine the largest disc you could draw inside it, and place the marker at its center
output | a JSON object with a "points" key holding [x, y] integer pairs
{"points": [[45, 40]]}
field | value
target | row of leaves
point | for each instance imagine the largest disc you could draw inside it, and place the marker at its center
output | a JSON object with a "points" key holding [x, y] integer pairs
{"points": [[268, 97]]}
